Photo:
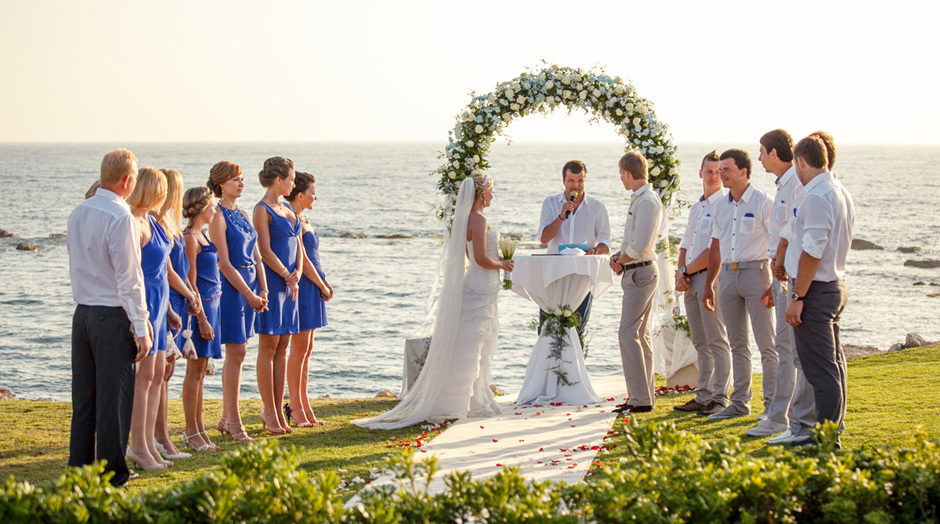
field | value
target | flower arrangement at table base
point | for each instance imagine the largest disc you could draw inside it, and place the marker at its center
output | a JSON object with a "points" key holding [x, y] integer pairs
{"points": [[556, 327]]}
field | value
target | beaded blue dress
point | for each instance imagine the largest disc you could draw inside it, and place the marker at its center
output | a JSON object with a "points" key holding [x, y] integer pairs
{"points": [[153, 260], [238, 319], [282, 317]]}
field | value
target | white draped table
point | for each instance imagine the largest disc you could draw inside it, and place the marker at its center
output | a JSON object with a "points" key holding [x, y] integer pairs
{"points": [[552, 281]]}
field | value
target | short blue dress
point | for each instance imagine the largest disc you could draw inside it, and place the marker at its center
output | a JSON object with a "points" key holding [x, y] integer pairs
{"points": [[310, 303], [209, 284], [282, 317], [180, 264], [153, 260], [238, 319]]}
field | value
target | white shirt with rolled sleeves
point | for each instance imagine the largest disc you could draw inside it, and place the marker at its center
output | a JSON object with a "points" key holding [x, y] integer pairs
{"points": [[742, 228], [589, 224], [698, 232], [104, 257], [643, 220], [822, 227], [789, 191]]}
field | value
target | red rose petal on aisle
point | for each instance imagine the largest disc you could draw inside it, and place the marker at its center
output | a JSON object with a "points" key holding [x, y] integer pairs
{"points": [[498, 465], [541, 449], [494, 440]]}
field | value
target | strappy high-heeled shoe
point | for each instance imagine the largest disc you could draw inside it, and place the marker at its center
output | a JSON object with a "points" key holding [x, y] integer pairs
{"points": [[205, 447], [130, 455], [273, 431], [175, 456], [238, 433], [304, 424], [222, 425]]}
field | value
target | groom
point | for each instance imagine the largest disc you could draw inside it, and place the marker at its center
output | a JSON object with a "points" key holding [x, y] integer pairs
{"points": [[574, 218]]}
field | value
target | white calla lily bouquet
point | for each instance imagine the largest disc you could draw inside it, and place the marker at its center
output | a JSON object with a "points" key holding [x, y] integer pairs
{"points": [[507, 247]]}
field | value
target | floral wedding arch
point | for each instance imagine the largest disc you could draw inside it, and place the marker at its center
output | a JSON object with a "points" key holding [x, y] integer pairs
{"points": [[603, 98]]}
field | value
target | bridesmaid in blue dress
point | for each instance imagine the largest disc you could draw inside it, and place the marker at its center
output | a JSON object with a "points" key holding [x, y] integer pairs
{"points": [[244, 288], [199, 208], [181, 296], [148, 195], [314, 292], [280, 245]]}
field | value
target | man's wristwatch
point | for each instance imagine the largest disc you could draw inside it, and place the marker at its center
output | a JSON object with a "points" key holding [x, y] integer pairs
{"points": [[684, 272], [796, 298]]}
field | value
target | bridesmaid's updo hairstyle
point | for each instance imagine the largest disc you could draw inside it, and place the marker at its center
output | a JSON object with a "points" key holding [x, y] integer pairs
{"points": [[302, 183], [275, 167], [195, 202], [221, 173], [150, 191], [481, 182]]}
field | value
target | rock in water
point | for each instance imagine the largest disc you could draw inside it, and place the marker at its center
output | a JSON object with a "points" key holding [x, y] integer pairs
{"points": [[858, 243], [7, 394], [852, 351], [4, 233], [909, 250], [914, 340], [924, 264], [23, 246], [385, 394], [350, 234], [396, 235]]}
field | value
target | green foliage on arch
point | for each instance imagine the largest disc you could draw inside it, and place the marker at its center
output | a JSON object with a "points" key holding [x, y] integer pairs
{"points": [[603, 98]]}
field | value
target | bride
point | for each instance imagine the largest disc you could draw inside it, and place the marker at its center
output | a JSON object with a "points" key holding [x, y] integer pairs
{"points": [[455, 380]]}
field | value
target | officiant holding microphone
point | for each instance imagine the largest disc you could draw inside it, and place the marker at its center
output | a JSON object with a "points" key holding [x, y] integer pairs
{"points": [[575, 219]]}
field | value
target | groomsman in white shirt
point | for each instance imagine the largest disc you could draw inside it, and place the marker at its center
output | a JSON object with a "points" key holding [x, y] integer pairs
{"points": [[776, 155], [706, 327], [636, 261], [820, 238], [740, 236], [108, 286], [575, 218]]}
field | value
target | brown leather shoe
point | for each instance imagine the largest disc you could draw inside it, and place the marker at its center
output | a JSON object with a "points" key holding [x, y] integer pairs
{"points": [[690, 406], [712, 408]]}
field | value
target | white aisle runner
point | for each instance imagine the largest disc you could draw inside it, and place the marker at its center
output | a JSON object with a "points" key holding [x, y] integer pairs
{"points": [[555, 443]]}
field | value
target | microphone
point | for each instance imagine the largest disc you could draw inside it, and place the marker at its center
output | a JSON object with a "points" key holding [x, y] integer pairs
{"points": [[574, 196]]}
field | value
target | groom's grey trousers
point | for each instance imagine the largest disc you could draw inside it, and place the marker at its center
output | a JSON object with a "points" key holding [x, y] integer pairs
{"points": [[636, 347], [740, 293], [707, 330]]}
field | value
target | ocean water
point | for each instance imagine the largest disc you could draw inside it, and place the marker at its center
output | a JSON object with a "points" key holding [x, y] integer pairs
{"points": [[382, 285]]}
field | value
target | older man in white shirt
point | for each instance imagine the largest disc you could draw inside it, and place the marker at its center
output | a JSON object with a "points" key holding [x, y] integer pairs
{"points": [[739, 250], [707, 328], [574, 218], [820, 238], [108, 286], [636, 261]]}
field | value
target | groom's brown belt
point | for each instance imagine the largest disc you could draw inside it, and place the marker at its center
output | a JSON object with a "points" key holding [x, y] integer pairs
{"points": [[636, 265]]}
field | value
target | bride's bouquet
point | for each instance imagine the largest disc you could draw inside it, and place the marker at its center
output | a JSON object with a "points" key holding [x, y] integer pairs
{"points": [[507, 247]]}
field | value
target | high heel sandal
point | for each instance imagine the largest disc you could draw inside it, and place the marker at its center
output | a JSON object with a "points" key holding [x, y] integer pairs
{"points": [[222, 426], [205, 447], [273, 431], [238, 433], [304, 424], [130, 455], [176, 456]]}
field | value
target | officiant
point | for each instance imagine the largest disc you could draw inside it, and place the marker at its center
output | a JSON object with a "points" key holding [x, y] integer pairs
{"points": [[573, 219]]}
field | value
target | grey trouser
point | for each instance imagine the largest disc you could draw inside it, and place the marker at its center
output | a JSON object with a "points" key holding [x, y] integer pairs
{"points": [[711, 343], [802, 413], [820, 349], [779, 409], [740, 293], [636, 348]]}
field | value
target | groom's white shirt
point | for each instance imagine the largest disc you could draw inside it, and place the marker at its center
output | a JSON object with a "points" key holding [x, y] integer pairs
{"points": [[588, 225]]}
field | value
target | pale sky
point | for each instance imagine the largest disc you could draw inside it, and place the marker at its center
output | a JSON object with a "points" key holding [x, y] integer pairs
{"points": [[219, 71]]}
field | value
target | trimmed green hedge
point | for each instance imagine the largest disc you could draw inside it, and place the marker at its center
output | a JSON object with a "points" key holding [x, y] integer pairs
{"points": [[672, 476]]}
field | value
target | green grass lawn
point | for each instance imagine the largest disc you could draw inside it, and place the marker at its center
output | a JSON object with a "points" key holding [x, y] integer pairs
{"points": [[889, 396]]}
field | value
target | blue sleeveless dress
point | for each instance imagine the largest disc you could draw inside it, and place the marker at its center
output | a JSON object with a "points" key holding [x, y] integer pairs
{"points": [[238, 319], [153, 260], [209, 284], [181, 265], [310, 303], [282, 317]]}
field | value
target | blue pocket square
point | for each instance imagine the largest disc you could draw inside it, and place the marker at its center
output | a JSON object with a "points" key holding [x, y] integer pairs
{"points": [[749, 215]]}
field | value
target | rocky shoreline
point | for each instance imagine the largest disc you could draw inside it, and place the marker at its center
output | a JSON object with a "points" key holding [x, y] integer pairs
{"points": [[912, 340]]}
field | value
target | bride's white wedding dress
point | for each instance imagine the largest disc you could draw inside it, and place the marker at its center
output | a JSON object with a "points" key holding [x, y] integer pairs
{"points": [[455, 380]]}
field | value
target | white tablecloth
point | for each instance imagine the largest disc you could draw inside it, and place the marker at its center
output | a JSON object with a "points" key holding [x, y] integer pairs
{"points": [[552, 281]]}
